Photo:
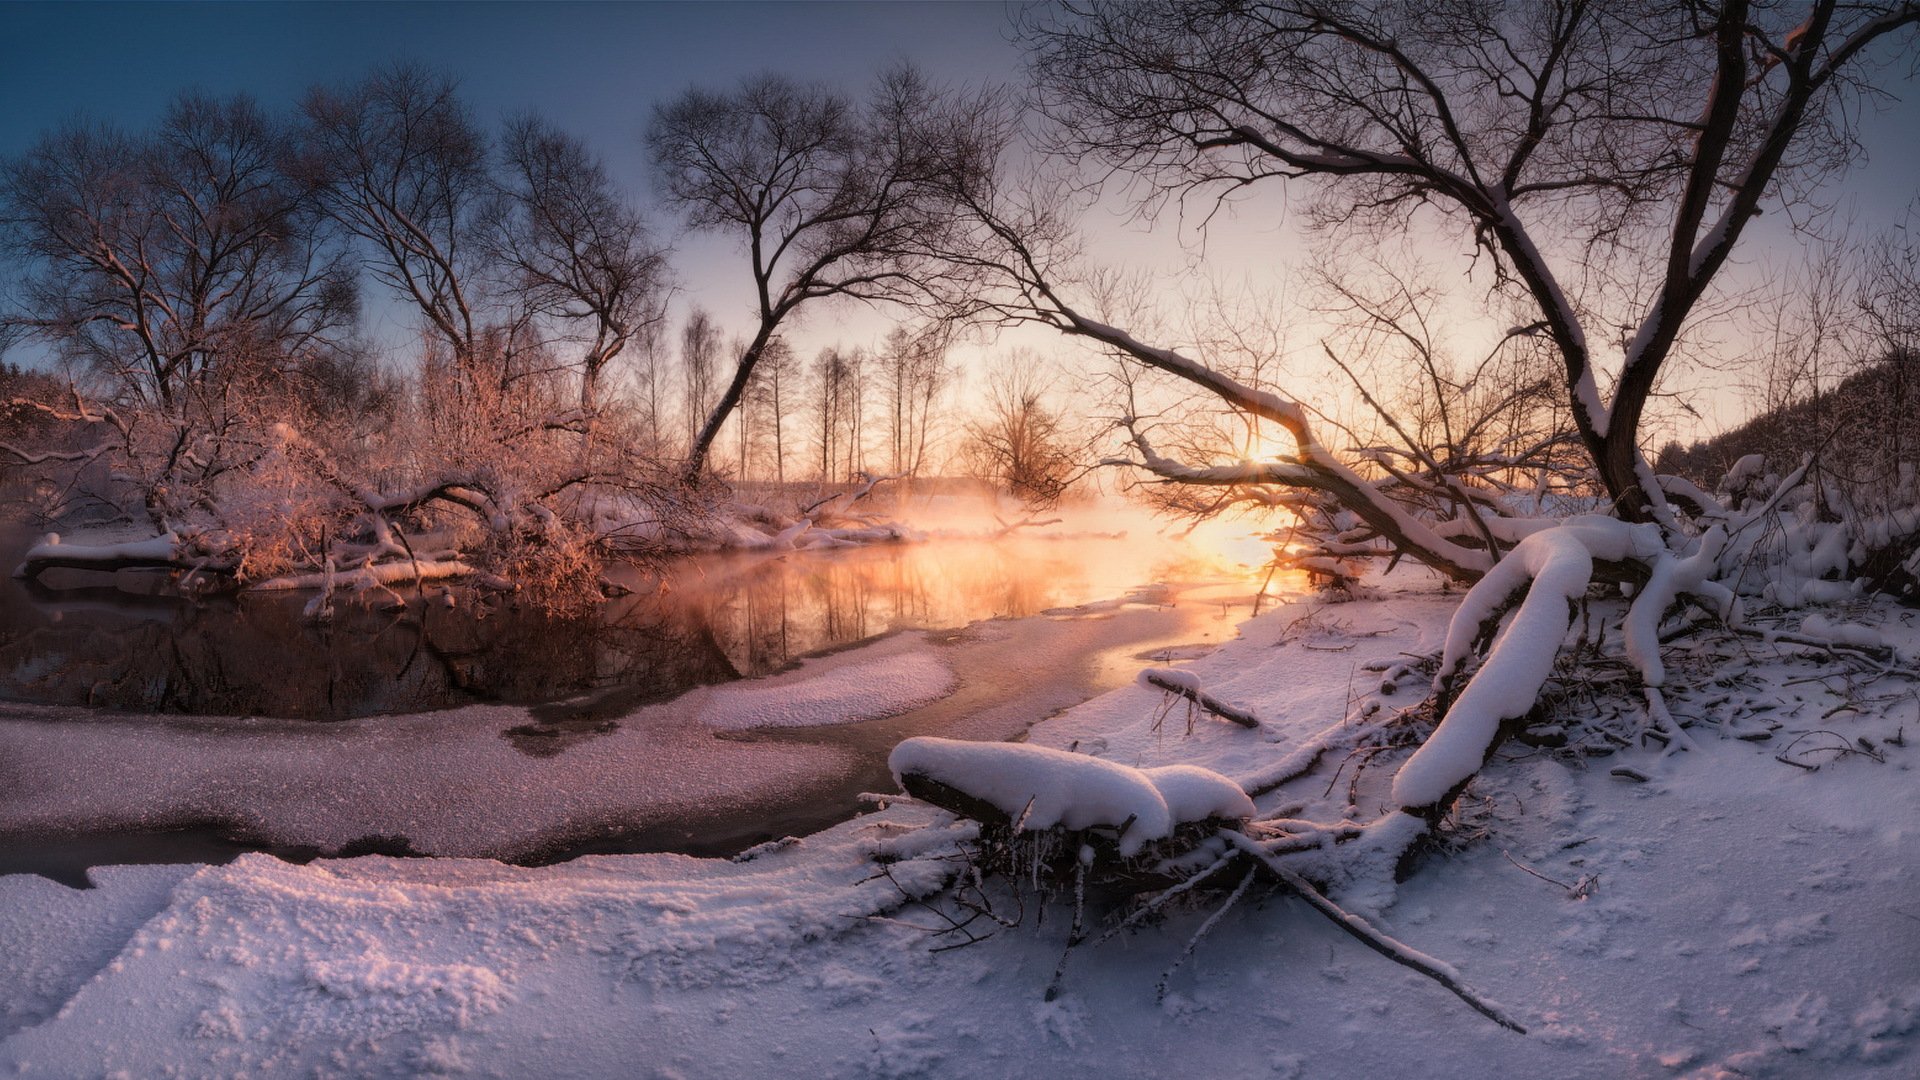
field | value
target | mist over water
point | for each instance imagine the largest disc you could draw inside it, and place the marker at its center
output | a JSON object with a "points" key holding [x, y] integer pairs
{"points": [[611, 754], [122, 642]]}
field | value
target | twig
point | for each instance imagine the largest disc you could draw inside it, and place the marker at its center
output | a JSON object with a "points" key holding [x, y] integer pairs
{"points": [[1373, 939], [1074, 934], [1160, 990], [1577, 891], [1161, 899]]}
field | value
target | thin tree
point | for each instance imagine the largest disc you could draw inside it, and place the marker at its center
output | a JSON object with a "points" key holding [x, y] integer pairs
{"points": [[699, 350], [777, 367], [829, 404]]}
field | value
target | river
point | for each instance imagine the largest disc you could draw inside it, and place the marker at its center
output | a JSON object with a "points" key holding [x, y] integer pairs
{"points": [[140, 727]]}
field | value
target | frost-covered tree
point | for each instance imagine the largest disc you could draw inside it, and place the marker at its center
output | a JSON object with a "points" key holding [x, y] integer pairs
{"points": [[1021, 438], [187, 273], [1604, 161]]}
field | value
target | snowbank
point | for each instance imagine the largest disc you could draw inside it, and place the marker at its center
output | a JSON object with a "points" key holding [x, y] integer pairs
{"points": [[1737, 917]]}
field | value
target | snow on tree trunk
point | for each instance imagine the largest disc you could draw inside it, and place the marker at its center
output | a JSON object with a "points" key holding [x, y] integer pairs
{"points": [[1553, 567]]}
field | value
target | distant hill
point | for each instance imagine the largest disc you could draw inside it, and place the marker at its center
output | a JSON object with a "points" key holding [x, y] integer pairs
{"points": [[1861, 429]]}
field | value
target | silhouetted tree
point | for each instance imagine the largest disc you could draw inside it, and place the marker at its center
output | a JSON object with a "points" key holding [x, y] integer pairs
{"points": [[161, 259], [576, 251], [833, 198]]}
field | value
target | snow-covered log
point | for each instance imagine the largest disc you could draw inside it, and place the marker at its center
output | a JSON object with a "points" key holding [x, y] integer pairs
{"points": [[159, 552], [1033, 788], [1186, 684], [367, 577], [1550, 570]]}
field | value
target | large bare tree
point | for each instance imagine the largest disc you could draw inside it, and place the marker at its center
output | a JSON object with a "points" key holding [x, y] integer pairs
{"points": [[1580, 143], [189, 272], [577, 252], [161, 258], [401, 165], [832, 197], [1603, 162], [1603, 159]]}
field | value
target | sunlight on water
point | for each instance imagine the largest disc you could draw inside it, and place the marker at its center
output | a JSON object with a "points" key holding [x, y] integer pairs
{"points": [[114, 643]]}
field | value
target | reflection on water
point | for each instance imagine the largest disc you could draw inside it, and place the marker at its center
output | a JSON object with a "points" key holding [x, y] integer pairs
{"points": [[126, 646]]}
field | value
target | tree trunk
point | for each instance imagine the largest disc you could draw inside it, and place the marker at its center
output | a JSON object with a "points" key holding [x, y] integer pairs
{"points": [[703, 442]]}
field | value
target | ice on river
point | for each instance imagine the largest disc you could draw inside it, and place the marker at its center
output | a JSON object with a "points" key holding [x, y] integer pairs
{"points": [[883, 680], [1743, 918]]}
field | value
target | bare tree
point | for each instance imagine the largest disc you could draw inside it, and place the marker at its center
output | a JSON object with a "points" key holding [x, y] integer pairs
{"points": [[1663, 128], [1547, 131], [400, 164], [831, 393], [914, 370], [853, 411], [578, 252], [778, 368], [189, 271], [1022, 440], [833, 198], [699, 350], [157, 260], [747, 419], [650, 378]]}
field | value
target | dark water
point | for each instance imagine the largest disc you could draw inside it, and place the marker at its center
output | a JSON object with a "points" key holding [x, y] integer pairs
{"points": [[118, 644], [121, 642]]}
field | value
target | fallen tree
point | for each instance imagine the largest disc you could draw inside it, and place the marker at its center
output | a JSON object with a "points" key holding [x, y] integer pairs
{"points": [[1486, 118]]}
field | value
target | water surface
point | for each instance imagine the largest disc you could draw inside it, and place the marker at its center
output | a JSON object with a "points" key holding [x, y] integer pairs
{"points": [[166, 730], [122, 642]]}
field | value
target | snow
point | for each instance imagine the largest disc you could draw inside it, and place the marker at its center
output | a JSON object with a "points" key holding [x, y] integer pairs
{"points": [[1668, 579], [1196, 794], [155, 549], [834, 690], [1842, 633], [1179, 677], [1742, 917], [1038, 787], [1554, 567], [369, 577]]}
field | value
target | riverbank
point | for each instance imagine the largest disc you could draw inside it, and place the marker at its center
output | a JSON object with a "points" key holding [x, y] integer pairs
{"points": [[709, 771], [1727, 914]]}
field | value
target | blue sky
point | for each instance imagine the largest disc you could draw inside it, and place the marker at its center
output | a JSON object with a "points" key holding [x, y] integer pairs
{"points": [[597, 69]]}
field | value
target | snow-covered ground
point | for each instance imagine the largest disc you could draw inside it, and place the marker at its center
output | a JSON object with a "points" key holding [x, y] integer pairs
{"points": [[1732, 915]]}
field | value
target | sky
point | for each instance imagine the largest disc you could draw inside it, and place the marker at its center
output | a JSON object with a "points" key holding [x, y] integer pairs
{"points": [[598, 68]]}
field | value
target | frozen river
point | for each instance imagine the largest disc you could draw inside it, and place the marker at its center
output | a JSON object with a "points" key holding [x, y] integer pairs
{"points": [[152, 729]]}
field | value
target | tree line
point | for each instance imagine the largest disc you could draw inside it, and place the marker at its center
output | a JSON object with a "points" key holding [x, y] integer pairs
{"points": [[1599, 164]]}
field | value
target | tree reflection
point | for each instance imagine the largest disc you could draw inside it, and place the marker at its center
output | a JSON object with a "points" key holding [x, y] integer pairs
{"points": [[707, 620]]}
